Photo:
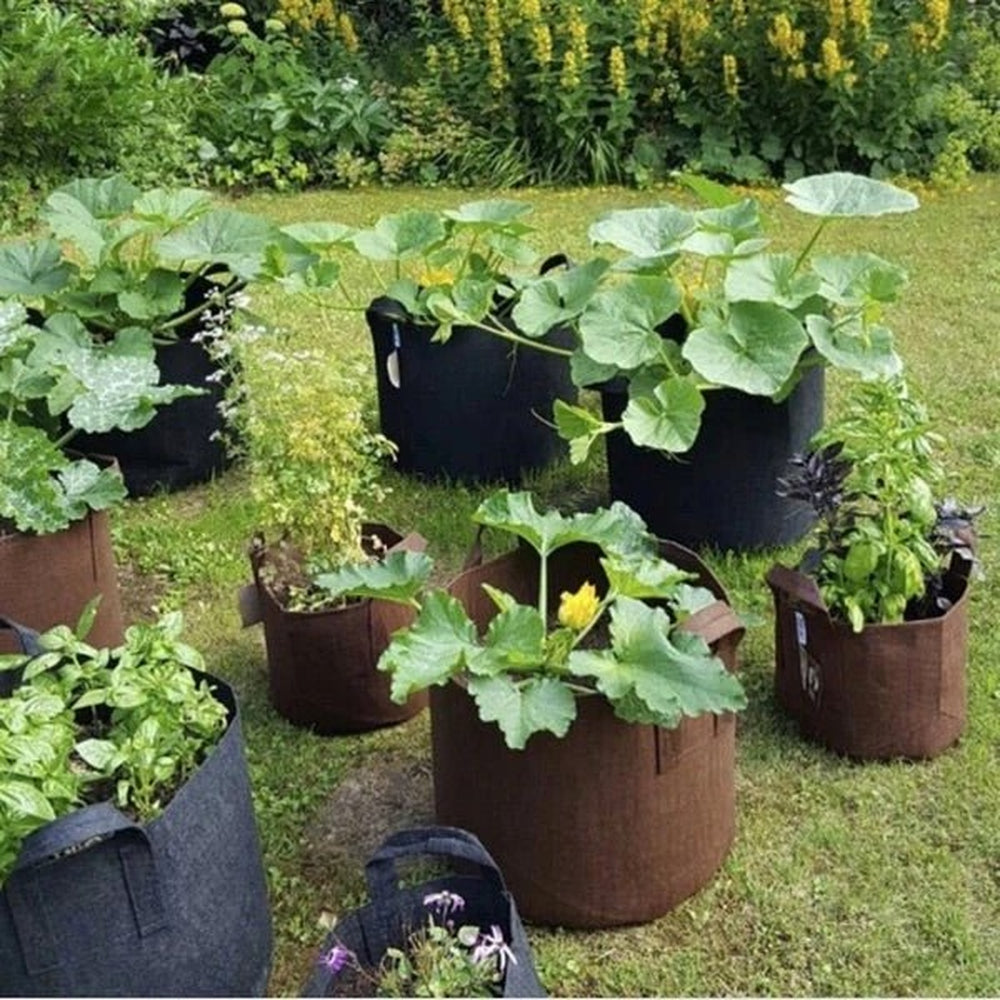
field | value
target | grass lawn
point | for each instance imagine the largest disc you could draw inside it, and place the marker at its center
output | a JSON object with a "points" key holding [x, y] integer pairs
{"points": [[844, 878]]}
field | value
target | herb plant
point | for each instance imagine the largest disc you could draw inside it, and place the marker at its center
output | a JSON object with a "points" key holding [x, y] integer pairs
{"points": [[528, 669], [85, 725], [881, 542], [443, 958]]}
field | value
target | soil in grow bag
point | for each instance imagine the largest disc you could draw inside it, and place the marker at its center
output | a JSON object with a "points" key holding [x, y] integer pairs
{"points": [[582, 865], [473, 409], [888, 691]]}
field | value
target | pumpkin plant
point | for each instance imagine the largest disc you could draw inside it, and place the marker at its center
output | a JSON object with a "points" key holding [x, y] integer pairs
{"points": [[534, 661], [697, 300]]}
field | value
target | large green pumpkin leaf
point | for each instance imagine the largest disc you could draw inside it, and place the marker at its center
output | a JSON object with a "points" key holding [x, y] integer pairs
{"points": [[663, 414], [555, 299], [104, 197], [754, 348], [237, 240], [644, 232], [398, 577], [867, 350], [13, 326], [168, 208], [87, 486], [858, 279], [70, 220], [523, 708], [399, 237], [33, 269], [672, 674], [770, 278], [514, 641], [615, 529], [844, 195], [643, 577], [320, 236], [491, 215], [30, 497], [160, 295], [619, 324], [436, 646]]}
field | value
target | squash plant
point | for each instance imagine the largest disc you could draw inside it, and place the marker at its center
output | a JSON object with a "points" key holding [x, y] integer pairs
{"points": [[531, 665], [86, 725], [697, 300]]}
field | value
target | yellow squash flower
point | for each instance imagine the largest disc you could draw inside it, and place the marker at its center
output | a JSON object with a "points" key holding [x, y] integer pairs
{"points": [[576, 611]]}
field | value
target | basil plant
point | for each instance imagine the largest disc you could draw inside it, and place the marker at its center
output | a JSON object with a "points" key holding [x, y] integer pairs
{"points": [[697, 300], [533, 663]]}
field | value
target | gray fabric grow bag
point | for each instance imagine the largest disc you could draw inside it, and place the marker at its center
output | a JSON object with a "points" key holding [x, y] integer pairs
{"points": [[102, 906]]}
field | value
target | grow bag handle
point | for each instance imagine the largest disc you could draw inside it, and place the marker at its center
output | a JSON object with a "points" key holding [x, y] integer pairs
{"points": [[801, 589], [439, 841], [39, 943], [554, 261], [714, 622]]}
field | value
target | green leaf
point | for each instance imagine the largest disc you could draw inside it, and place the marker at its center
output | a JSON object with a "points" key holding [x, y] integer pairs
{"points": [[709, 191], [852, 346], [861, 560], [585, 371], [237, 240], [672, 674], [614, 529], [643, 577], [25, 800], [754, 349], [398, 577], [98, 754], [321, 236], [664, 414], [619, 324], [491, 214], [161, 294], [515, 640], [102, 198], [770, 278], [29, 495], [399, 237], [647, 233], [87, 617], [86, 486], [33, 269], [858, 279], [169, 208], [433, 649], [541, 704], [71, 221], [13, 326], [845, 195], [553, 300], [580, 428]]}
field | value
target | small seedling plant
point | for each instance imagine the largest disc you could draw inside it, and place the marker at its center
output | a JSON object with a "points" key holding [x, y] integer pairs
{"points": [[85, 725], [442, 958], [882, 544], [528, 670]]}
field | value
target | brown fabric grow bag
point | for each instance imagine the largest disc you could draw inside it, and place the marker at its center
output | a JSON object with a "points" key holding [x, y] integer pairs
{"points": [[613, 824], [887, 691], [47, 580], [321, 664]]}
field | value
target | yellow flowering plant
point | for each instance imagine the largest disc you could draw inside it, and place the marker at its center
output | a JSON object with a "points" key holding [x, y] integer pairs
{"points": [[533, 663]]}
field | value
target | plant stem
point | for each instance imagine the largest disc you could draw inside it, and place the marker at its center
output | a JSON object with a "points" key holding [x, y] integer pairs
{"points": [[504, 334], [543, 588], [808, 247], [602, 607]]}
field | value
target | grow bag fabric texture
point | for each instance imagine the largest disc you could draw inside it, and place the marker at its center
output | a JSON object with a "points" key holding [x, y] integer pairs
{"points": [[395, 912], [321, 665], [102, 906], [47, 580], [722, 491], [888, 691], [615, 823], [472, 409]]}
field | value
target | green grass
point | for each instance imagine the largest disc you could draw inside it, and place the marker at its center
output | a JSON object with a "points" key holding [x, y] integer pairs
{"points": [[844, 879]]}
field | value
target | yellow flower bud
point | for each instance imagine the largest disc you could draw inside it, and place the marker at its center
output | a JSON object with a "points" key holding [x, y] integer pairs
{"points": [[238, 27], [231, 10], [730, 76], [577, 611], [616, 70]]}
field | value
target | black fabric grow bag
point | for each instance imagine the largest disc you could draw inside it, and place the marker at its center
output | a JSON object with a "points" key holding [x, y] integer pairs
{"points": [[721, 492], [472, 409], [395, 912], [181, 445], [102, 906]]}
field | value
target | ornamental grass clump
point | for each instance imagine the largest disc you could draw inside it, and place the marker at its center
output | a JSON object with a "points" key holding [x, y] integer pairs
{"points": [[534, 661]]}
